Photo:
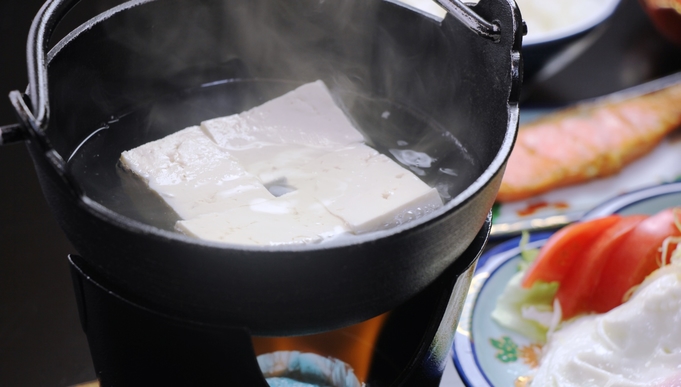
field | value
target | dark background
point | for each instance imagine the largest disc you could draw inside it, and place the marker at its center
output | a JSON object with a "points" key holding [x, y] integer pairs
{"points": [[41, 343]]}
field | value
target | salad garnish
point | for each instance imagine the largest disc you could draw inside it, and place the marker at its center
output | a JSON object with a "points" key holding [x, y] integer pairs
{"points": [[594, 266]]}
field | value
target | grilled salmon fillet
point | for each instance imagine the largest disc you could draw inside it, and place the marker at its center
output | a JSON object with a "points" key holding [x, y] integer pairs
{"points": [[588, 141]]}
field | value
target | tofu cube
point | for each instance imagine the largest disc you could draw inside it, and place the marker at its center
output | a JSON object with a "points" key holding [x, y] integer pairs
{"points": [[292, 219], [192, 174], [368, 190]]}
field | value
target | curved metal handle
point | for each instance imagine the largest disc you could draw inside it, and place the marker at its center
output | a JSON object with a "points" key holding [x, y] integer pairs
{"points": [[471, 19], [53, 11], [36, 52], [32, 124]]}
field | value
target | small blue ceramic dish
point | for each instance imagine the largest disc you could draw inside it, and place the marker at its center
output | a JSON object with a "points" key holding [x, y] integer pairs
{"points": [[488, 355]]}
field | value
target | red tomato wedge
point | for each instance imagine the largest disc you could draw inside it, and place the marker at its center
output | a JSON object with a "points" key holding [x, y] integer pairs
{"points": [[576, 288], [560, 252], [632, 260]]}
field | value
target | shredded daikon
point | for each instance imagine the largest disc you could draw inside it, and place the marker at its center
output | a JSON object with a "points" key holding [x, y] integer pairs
{"points": [[671, 239], [557, 317]]}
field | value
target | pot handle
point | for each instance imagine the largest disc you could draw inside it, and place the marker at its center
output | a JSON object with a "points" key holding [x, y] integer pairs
{"points": [[33, 122], [471, 19], [53, 11], [38, 38]]}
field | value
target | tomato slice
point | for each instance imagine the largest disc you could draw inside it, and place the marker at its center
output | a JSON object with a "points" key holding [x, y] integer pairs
{"points": [[560, 252], [632, 260], [576, 288]]}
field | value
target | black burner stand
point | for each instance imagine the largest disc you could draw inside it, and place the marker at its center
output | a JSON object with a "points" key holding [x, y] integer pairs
{"points": [[134, 345]]}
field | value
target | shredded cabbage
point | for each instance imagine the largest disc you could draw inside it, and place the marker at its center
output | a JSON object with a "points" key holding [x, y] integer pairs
{"points": [[529, 312], [527, 256], [526, 311]]}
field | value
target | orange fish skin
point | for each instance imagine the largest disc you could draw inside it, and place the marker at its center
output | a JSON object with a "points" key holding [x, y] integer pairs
{"points": [[588, 141]]}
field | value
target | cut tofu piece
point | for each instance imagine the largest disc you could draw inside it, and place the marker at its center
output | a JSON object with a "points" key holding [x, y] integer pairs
{"points": [[278, 164], [192, 174], [368, 190], [294, 218], [291, 171], [305, 116]]}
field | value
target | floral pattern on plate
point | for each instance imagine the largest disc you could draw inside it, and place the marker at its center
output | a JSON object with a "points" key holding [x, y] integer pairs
{"points": [[486, 354]]}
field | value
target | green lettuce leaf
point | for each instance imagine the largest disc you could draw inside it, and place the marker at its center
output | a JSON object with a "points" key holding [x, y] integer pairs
{"points": [[515, 299], [526, 311]]}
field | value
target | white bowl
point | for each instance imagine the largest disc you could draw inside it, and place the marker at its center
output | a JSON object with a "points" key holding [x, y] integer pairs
{"points": [[553, 25], [564, 24]]}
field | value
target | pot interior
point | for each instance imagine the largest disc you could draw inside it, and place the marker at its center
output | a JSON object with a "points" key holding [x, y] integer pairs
{"points": [[151, 68]]}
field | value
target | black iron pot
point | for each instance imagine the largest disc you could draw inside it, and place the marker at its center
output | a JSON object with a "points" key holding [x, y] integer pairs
{"points": [[461, 76]]}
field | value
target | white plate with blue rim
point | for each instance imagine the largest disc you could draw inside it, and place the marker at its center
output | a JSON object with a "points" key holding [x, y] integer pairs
{"points": [[486, 354]]}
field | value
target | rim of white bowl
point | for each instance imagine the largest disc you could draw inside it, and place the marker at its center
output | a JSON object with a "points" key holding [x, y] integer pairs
{"points": [[591, 21]]}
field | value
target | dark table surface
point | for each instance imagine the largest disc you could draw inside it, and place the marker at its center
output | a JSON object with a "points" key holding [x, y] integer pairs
{"points": [[41, 342]]}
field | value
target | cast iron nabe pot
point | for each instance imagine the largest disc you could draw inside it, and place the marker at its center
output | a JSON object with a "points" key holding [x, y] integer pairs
{"points": [[462, 74]]}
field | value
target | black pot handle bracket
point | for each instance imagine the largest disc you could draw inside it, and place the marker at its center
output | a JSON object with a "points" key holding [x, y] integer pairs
{"points": [[12, 133], [471, 19], [29, 130]]}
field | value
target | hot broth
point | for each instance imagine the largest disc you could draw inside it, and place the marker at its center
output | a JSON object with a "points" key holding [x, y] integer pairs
{"points": [[410, 138]]}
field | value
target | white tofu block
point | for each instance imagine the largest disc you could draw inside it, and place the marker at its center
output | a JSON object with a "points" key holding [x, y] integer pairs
{"points": [[192, 174], [368, 190], [220, 177], [278, 164], [295, 218], [305, 116]]}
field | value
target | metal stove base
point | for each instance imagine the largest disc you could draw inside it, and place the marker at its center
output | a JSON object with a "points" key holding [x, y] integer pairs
{"points": [[134, 345]]}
